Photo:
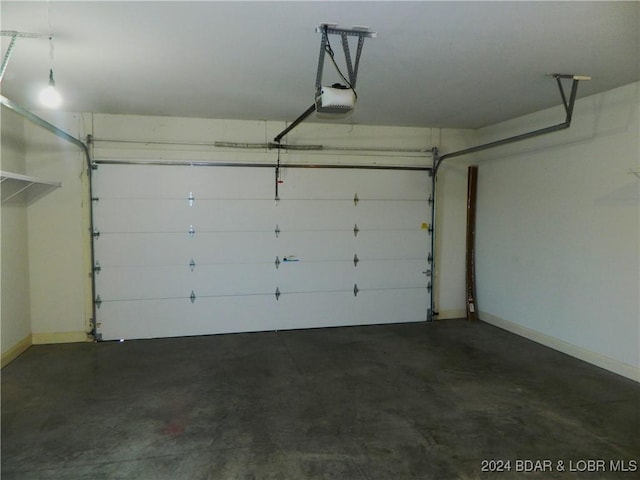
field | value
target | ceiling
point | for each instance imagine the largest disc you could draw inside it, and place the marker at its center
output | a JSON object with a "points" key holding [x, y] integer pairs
{"points": [[433, 64]]}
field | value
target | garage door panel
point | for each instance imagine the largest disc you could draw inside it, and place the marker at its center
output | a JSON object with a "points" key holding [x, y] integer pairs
{"points": [[315, 276], [177, 182], [317, 246], [343, 215], [142, 181], [234, 247], [141, 249], [180, 317], [322, 185], [393, 215], [141, 215], [393, 306], [140, 283], [381, 274], [234, 215], [232, 183], [398, 244], [179, 248], [231, 247], [313, 310], [315, 215], [398, 185], [159, 216], [344, 184]]}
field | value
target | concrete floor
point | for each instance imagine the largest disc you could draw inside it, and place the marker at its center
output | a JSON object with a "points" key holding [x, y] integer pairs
{"points": [[409, 401]]}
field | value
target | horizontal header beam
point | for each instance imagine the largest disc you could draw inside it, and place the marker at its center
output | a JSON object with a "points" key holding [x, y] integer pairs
{"points": [[260, 165]]}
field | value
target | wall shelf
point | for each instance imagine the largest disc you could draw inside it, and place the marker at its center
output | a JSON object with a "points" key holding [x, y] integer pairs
{"points": [[23, 189]]}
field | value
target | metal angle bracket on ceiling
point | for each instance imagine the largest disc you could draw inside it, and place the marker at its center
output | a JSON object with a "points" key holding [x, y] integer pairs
{"points": [[15, 35], [352, 66]]}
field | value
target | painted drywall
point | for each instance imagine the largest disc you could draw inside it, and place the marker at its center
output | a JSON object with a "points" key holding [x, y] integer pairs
{"points": [[15, 314], [57, 271], [558, 239], [451, 218]]}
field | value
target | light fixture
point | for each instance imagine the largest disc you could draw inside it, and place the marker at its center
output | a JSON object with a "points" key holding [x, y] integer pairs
{"points": [[49, 96]]}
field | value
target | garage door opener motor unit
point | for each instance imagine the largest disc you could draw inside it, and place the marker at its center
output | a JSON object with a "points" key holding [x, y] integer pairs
{"points": [[337, 99]]}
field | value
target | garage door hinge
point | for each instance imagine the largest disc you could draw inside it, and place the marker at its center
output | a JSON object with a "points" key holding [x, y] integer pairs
{"points": [[430, 258], [277, 262], [191, 199], [192, 265], [355, 230], [430, 200], [355, 290], [277, 231], [96, 233], [356, 200], [98, 301], [355, 260], [97, 267], [191, 231], [277, 294], [429, 287], [192, 297]]}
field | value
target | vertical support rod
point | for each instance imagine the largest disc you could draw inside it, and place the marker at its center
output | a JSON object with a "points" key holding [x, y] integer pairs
{"points": [[562, 95], [323, 49], [432, 310], [277, 180], [5, 60], [347, 57], [470, 278], [357, 62]]}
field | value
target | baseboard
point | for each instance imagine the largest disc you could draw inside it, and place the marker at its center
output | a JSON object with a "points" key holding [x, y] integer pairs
{"points": [[580, 353], [449, 314], [16, 351], [59, 337]]}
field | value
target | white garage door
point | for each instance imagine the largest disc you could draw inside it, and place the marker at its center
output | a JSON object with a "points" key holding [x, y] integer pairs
{"points": [[193, 250]]}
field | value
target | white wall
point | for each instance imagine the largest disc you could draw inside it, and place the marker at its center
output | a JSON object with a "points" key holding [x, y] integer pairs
{"points": [[451, 224], [15, 327], [58, 234], [558, 243]]}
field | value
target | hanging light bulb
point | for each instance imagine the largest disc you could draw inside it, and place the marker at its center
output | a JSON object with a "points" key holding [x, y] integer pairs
{"points": [[49, 96]]}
